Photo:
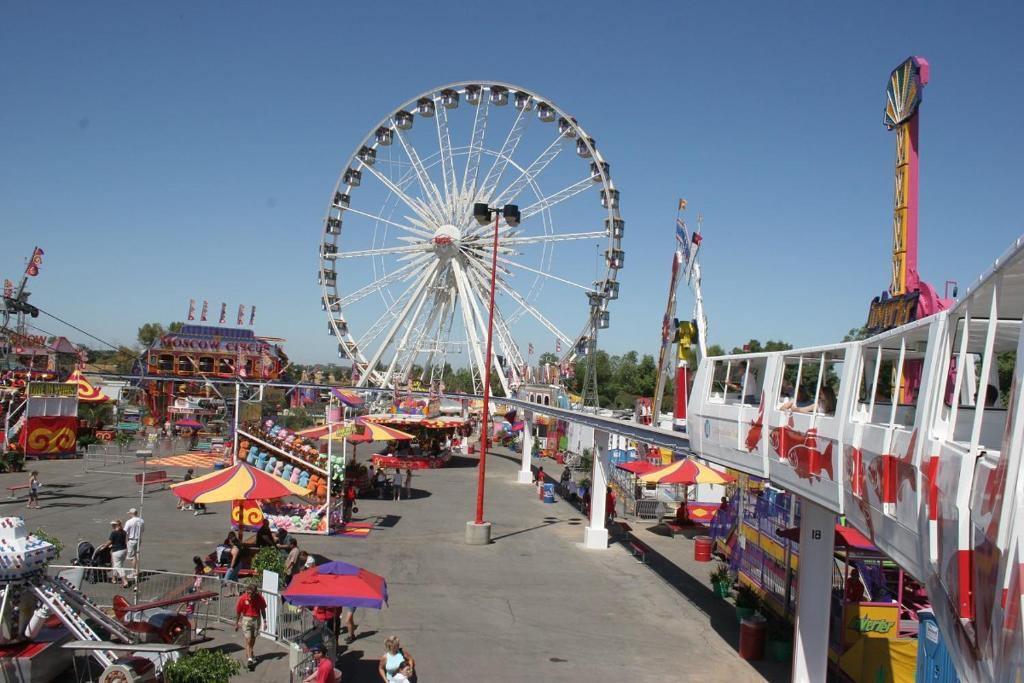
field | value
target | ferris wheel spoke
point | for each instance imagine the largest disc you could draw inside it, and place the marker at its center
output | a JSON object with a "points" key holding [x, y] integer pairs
{"points": [[530, 174], [417, 248], [512, 355], [381, 322], [476, 148], [510, 262], [558, 197], [537, 315], [431, 195], [461, 282], [408, 228], [476, 299], [415, 347], [417, 206], [421, 285], [444, 143], [402, 344], [518, 240], [400, 274], [508, 148]]}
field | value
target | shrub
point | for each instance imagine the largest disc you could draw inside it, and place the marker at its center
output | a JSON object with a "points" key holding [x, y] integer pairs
{"points": [[721, 573], [268, 558], [747, 597], [202, 666], [43, 536]]}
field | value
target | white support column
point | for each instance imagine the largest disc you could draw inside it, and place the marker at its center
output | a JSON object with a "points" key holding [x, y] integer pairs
{"points": [[596, 535], [525, 475], [814, 590]]}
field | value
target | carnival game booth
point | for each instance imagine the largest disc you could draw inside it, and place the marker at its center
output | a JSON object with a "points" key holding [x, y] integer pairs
{"points": [[874, 622], [306, 458]]}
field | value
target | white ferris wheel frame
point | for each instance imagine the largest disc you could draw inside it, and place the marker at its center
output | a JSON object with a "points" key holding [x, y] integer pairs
{"points": [[467, 280]]}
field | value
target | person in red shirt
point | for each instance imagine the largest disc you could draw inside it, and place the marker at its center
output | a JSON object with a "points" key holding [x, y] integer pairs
{"points": [[609, 504], [324, 672], [350, 501], [250, 610]]}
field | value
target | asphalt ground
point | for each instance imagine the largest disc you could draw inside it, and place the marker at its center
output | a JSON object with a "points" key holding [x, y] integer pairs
{"points": [[533, 605]]}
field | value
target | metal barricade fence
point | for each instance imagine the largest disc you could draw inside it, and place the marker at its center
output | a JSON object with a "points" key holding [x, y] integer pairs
{"points": [[126, 460]]}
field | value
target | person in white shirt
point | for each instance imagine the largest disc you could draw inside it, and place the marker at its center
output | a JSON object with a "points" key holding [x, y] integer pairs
{"points": [[396, 484], [134, 528]]}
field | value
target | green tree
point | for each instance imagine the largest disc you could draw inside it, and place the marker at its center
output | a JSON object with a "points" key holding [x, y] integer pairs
{"points": [[150, 332]]}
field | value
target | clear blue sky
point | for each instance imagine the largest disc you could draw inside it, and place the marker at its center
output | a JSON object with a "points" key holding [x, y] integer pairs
{"points": [[165, 151]]}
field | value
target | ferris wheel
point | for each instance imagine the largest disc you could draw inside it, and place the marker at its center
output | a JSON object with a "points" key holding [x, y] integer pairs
{"points": [[405, 268]]}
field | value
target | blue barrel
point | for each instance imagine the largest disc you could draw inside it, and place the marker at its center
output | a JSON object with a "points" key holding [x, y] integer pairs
{"points": [[549, 493]]}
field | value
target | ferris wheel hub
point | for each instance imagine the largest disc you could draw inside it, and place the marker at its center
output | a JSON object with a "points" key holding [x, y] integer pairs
{"points": [[446, 241]]}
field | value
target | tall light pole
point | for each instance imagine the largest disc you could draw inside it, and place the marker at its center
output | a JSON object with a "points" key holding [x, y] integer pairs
{"points": [[477, 532]]}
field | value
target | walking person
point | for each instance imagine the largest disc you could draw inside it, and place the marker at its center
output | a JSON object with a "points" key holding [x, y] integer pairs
{"points": [[118, 544], [396, 484], [134, 528], [392, 659], [250, 611], [407, 482], [350, 501], [379, 480], [609, 505], [350, 625], [33, 490], [182, 505]]}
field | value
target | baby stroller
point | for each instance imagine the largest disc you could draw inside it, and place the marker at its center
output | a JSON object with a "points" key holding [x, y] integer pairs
{"points": [[87, 556]]}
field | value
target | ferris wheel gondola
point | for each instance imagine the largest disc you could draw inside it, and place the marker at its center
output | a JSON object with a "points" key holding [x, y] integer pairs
{"points": [[405, 268]]}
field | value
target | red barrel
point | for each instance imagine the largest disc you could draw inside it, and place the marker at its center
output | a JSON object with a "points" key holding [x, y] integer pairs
{"points": [[702, 548], [752, 637]]}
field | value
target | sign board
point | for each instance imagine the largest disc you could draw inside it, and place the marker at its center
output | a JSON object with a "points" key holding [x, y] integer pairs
{"points": [[892, 312], [865, 620], [56, 389]]}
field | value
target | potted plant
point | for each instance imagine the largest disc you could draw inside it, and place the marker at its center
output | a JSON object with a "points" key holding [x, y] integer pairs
{"points": [[780, 640], [722, 580], [747, 601]]}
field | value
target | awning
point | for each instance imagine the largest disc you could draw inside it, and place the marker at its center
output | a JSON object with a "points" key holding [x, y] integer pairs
{"points": [[846, 537]]}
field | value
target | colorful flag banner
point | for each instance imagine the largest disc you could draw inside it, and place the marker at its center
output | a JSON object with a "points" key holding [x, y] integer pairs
{"points": [[530, 348], [252, 315], [191, 309], [223, 313], [202, 314], [241, 314], [683, 238], [33, 263], [682, 204]]}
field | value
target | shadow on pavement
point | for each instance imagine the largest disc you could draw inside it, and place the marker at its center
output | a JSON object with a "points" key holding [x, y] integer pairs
{"points": [[721, 614]]}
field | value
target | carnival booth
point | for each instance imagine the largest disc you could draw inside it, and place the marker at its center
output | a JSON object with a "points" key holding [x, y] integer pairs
{"points": [[874, 622]]}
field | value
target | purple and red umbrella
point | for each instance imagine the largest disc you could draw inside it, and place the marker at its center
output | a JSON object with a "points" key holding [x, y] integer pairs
{"points": [[337, 584]]}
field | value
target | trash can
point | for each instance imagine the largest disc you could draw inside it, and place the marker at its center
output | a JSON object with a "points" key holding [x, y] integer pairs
{"points": [[549, 493], [702, 548], [752, 631]]}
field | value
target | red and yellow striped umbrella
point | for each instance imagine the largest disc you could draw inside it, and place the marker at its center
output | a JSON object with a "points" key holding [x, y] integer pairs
{"points": [[687, 471], [87, 393], [377, 432], [320, 432], [240, 482]]}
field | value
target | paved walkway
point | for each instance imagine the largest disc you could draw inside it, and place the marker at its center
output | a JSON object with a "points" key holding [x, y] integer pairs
{"points": [[534, 605]]}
